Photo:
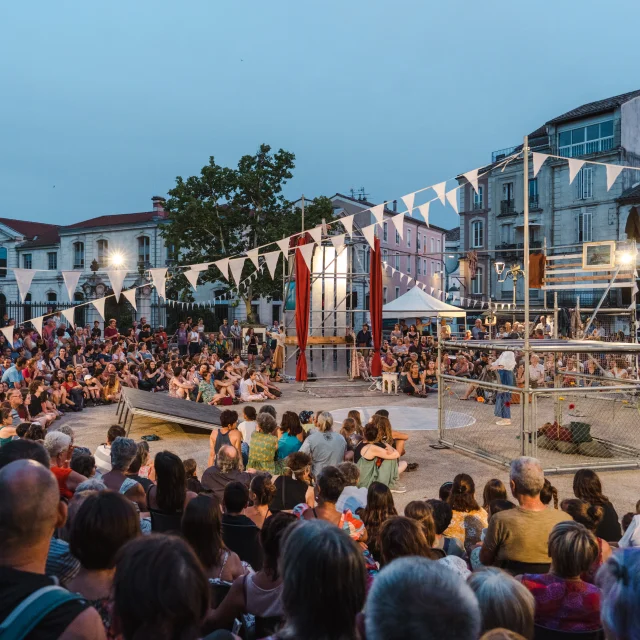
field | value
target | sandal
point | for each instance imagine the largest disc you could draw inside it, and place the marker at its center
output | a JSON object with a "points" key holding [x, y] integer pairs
{"points": [[412, 466]]}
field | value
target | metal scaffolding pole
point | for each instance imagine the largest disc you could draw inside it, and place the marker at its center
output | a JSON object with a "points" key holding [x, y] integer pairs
{"points": [[526, 440]]}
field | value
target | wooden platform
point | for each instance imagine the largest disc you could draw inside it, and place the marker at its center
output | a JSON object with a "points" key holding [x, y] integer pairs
{"points": [[134, 402]]}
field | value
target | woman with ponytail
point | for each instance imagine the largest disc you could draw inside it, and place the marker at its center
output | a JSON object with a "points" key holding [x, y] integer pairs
{"points": [[469, 518]]}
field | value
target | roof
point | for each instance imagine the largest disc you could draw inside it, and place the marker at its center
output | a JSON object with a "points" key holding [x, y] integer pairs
{"points": [[631, 195], [594, 108], [118, 218], [416, 303], [452, 235], [36, 233]]}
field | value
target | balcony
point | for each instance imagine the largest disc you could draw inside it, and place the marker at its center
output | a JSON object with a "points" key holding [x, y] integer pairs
{"points": [[586, 148], [533, 244], [507, 207], [533, 202], [501, 154], [477, 206]]}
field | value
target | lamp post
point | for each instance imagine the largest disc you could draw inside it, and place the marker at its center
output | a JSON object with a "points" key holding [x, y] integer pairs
{"points": [[515, 273]]}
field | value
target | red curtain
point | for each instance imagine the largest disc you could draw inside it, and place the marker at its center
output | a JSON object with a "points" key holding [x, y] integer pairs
{"points": [[303, 297], [375, 306]]}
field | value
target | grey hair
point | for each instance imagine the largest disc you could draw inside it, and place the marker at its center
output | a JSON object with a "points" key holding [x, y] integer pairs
{"points": [[92, 484], [270, 409], [324, 421], [55, 442], [504, 602], [619, 579], [527, 476], [226, 462], [351, 473], [266, 422], [419, 598], [65, 428], [123, 451]]}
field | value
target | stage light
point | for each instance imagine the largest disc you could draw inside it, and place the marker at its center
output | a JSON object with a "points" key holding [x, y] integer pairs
{"points": [[116, 259], [626, 258]]}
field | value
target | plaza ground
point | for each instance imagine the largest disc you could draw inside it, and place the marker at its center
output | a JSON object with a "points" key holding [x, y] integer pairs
{"points": [[435, 466]]}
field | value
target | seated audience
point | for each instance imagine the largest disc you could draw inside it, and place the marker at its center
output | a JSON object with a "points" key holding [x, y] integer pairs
{"points": [[226, 469], [352, 496], [103, 452], [59, 448], [325, 447], [293, 487], [587, 487], [378, 461], [261, 494], [227, 434], [399, 537], [422, 513], [239, 532], [379, 509], [123, 453], [264, 444], [442, 516], [469, 519]]}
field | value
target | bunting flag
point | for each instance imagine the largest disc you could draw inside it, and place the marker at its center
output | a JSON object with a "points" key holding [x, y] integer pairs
{"points": [[398, 221], [369, 233], [347, 223], [452, 199], [378, 212], [613, 171], [99, 303], [472, 178], [235, 266], [284, 246], [24, 278], [71, 281], [431, 290], [70, 315], [159, 278], [424, 212], [116, 277], [574, 167], [253, 256], [272, 261], [306, 251], [223, 267], [316, 234], [130, 295], [538, 161], [338, 241], [8, 333], [440, 191], [408, 200], [37, 324], [192, 277], [203, 266]]}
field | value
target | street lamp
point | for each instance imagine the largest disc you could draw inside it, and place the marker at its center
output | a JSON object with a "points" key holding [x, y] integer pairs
{"points": [[116, 259], [514, 273]]}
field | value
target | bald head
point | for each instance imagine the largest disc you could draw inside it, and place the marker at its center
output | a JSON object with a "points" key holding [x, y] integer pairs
{"points": [[227, 459], [29, 505]]}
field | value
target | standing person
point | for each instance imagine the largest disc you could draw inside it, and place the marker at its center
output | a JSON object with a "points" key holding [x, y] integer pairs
{"points": [[236, 337], [161, 339], [587, 487], [325, 447], [278, 357], [252, 346], [194, 341], [504, 365], [181, 336], [364, 340], [225, 331], [111, 331]]}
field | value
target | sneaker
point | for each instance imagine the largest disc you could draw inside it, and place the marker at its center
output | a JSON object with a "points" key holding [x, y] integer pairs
{"points": [[399, 488], [504, 423]]}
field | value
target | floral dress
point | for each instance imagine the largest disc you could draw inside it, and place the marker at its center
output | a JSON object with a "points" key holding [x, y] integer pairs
{"points": [[262, 452], [466, 527]]}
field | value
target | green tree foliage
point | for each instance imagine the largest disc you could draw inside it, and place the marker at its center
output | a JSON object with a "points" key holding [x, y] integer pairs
{"points": [[226, 212]]}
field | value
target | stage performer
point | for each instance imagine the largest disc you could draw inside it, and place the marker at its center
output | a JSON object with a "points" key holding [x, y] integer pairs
{"points": [[278, 357], [504, 365], [236, 337]]}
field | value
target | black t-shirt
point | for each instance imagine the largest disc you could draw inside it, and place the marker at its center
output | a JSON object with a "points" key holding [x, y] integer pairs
{"points": [[16, 585], [144, 336], [35, 407], [289, 493]]}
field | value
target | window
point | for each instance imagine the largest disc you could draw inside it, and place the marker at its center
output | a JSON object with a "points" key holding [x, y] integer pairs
{"points": [[385, 231], [52, 261], [384, 295], [171, 254], [433, 245], [505, 233], [584, 183], [78, 255], [52, 296], [418, 241], [408, 264], [438, 246], [397, 293], [27, 262], [397, 237], [477, 234], [476, 283], [385, 255], [424, 266], [424, 243], [396, 260], [3, 262], [478, 198], [418, 268], [585, 226], [584, 140], [367, 258], [533, 193], [408, 237], [144, 253], [103, 253]]}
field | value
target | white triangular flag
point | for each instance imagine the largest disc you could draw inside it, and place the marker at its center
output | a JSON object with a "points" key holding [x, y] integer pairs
{"points": [[202, 266], [613, 171], [370, 233], [192, 277], [70, 315], [99, 305], [37, 325], [272, 261], [347, 222], [130, 295], [431, 290], [440, 190], [424, 212], [538, 161], [284, 246], [116, 277], [306, 250], [24, 278], [159, 278], [408, 201], [253, 256], [338, 241], [378, 213], [452, 199], [472, 178], [398, 222], [223, 267], [316, 234], [236, 265], [71, 281], [574, 167], [393, 272], [8, 334]]}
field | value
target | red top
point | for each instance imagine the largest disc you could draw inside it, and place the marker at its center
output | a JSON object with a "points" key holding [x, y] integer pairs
{"points": [[62, 474], [110, 332], [69, 385]]}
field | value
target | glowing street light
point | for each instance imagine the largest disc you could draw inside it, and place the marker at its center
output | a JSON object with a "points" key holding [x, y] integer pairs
{"points": [[116, 259], [626, 258]]}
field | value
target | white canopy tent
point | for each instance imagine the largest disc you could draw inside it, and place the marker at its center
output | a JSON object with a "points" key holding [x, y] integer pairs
{"points": [[416, 304]]}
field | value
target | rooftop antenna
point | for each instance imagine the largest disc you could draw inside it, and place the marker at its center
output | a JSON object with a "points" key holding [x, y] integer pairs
{"points": [[359, 194]]}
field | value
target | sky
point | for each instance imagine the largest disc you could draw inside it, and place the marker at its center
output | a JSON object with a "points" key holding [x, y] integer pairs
{"points": [[103, 103]]}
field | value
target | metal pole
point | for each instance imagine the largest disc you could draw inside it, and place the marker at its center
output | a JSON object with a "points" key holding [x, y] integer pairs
{"points": [[555, 314], [441, 383], [526, 396], [544, 252], [302, 212], [604, 295], [515, 289]]}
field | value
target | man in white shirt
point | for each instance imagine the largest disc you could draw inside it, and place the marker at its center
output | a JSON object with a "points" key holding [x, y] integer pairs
{"points": [[536, 372]]}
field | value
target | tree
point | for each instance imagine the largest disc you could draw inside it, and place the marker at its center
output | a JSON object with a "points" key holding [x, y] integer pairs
{"points": [[226, 212]]}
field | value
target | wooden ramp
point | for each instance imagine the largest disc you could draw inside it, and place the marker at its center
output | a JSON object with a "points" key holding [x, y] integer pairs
{"points": [[134, 402]]}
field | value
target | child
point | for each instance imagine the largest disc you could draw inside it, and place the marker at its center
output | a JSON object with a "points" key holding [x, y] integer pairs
{"points": [[248, 426], [93, 389]]}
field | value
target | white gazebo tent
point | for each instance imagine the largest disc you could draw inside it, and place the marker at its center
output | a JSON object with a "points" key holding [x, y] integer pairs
{"points": [[417, 304]]}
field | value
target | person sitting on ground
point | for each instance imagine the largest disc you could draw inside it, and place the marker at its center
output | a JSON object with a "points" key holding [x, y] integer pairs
{"points": [[293, 487], [30, 512], [261, 494], [227, 434], [123, 452], [563, 600], [422, 513], [469, 518], [264, 444], [202, 529], [226, 469], [378, 461], [103, 452], [504, 602], [380, 507], [397, 439], [587, 487], [352, 496], [239, 532], [325, 447], [103, 524], [58, 446], [398, 537], [517, 539], [442, 516], [292, 434]]}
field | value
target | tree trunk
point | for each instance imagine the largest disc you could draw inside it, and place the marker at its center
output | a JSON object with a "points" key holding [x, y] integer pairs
{"points": [[251, 317]]}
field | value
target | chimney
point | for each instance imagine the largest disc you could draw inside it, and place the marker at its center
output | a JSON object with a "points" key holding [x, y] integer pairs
{"points": [[395, 205], [158, 206]]}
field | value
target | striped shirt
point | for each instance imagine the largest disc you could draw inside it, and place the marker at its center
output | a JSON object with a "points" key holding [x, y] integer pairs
{"points": [[103, 459]]}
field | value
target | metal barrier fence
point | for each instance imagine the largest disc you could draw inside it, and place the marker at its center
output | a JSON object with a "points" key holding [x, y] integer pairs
{"points": [[323, 361]]}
